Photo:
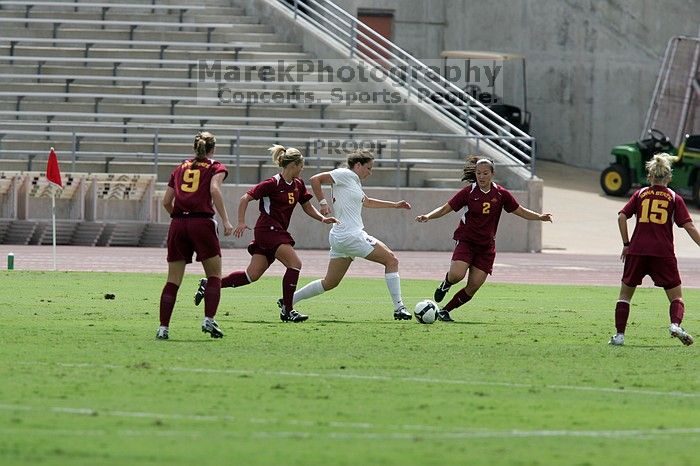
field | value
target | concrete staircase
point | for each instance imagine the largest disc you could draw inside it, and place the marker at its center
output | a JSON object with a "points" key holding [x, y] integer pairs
{"points": [[155, 235], [20, 232], [87, 233], [136, 98]]}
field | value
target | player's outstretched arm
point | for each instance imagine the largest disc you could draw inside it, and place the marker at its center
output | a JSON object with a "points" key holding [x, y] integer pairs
{"points": [[372, 203], [242, 207], [312, 212], [436, 213], [624, 235], [169, 200], [316, 181], [218, 200], [528, 214], [692, 232]]}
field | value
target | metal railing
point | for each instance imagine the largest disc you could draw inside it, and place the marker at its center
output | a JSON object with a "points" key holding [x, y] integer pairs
{"points": [[415, 77], [389, 148]]}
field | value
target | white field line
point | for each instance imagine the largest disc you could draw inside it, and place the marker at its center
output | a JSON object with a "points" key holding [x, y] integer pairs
{"points": [[636, 434], [582, 388]]}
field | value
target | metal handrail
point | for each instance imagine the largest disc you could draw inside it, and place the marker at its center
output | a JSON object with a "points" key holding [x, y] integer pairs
{"points": [[234, 139], [416, 78]]}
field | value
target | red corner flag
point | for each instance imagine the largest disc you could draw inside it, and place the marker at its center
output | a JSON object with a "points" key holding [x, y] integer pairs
{"points": [[53, 173]]}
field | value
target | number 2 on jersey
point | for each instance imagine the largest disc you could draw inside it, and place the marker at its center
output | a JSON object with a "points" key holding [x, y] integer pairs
{"points": [[658, 212], [486, 208], [190, 181]]}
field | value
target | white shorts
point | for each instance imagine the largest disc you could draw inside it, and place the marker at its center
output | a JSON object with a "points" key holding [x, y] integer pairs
{"points": [[359, 244]]}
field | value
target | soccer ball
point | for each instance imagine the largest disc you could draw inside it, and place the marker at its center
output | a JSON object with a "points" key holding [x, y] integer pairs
{"points": [[426, 311]]}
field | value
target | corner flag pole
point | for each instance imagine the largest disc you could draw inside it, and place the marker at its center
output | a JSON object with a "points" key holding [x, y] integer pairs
{"points": [[53, 175], [53, 226]]}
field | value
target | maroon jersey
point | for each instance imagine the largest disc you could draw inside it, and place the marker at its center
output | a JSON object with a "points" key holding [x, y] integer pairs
{"points": [[482, 212], [277, 201], [191, 181], [656, 208]]}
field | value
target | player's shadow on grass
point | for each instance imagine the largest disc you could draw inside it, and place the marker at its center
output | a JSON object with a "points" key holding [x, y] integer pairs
{"points": [[189, 341], [646, 347], [360, 322]]}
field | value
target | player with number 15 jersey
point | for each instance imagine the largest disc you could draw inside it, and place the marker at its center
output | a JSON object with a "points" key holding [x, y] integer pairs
{"points": [[650, 250]]}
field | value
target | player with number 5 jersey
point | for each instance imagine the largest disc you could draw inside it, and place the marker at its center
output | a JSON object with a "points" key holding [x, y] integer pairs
{"points": [[277, 197], [193, 192], [650, 250]]}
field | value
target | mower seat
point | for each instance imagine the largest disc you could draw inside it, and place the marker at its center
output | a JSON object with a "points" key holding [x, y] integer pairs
{"points": [[690, 146]]}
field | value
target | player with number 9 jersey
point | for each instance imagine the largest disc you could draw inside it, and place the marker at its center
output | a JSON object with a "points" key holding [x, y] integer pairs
{"points": [[193, 192], [191, 181]]}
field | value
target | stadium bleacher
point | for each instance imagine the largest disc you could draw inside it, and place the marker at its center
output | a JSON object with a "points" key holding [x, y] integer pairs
{"points": [[116, 90]]}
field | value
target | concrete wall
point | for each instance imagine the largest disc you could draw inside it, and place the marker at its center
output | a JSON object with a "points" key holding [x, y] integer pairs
{"points": [[397, 228], [592, 64]]}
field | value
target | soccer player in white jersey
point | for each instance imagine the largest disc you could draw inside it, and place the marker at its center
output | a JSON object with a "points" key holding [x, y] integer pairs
{"points": [[347, 237]]}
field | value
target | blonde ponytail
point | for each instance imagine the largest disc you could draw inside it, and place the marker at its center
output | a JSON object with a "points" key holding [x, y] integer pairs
{"points": [[659, 167], [283, 157]]}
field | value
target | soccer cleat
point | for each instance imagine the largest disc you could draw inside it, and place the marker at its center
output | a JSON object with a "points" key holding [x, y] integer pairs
{"points": [[292, 316], [677, 332], [280, 303], [445, 316], [441, 291], [162, 333], [617, 340], [199, 295], [212, 328], [402, 314]]}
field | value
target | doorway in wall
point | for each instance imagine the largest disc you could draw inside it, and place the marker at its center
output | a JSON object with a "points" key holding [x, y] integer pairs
{"points": [[382, 22]]}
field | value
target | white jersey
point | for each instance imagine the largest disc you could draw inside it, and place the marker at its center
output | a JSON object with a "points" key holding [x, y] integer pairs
{"points": [[347, 202]]}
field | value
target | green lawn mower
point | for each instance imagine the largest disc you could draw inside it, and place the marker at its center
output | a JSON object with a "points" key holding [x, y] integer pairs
{"points": [[628, 171]]}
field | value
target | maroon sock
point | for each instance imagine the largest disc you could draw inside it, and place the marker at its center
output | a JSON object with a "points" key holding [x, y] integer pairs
{"points": [[622, 313], [457, 300], [167, 302], [446, 280], [211, 296], [289, 286], [235, 279], [676, 311]]}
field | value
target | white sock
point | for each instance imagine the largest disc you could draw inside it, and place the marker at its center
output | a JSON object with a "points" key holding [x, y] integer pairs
{"points": [[393, 282], [312, 289]]}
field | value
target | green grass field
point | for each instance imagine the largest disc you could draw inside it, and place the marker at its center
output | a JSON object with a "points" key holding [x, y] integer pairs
{"points": [[525, 377]]}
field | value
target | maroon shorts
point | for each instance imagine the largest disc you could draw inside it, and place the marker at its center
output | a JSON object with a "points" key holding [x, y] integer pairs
{"points": [[266, 243], [189, 235], [662, 270], [474, 254]]}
